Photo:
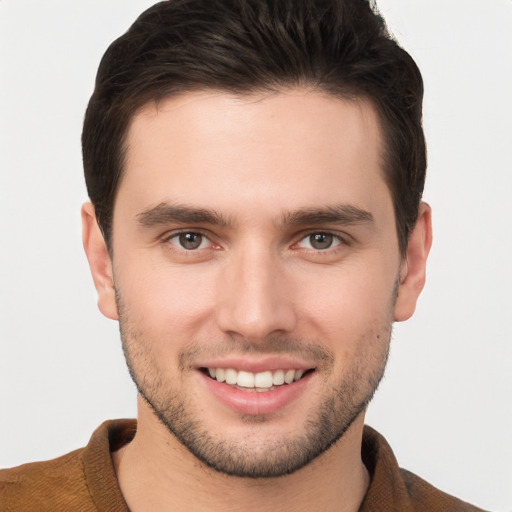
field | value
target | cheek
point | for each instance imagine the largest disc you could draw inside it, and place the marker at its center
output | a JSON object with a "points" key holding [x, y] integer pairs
{"points": [[349, 297], [166, 300], [354, 317]]}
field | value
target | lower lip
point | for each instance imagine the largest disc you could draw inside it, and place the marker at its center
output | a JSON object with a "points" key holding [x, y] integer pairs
{"points": [[255, 403]]}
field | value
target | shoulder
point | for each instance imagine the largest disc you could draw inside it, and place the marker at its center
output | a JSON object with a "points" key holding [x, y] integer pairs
{"points": [[393, 488], [57, 484], [83, 480], [427, 498]]}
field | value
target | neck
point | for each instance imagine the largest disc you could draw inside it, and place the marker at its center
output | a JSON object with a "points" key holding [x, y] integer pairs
{"points": [[156, 472]]}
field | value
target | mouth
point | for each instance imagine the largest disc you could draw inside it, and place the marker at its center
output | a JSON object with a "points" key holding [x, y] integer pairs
{"points": [[260, 382]]}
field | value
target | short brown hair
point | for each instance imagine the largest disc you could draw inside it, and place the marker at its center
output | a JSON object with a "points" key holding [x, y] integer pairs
{"points": [[341, 47]]}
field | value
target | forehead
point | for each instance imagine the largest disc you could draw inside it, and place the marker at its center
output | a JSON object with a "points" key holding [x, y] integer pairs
{"points": [[225, 151]]}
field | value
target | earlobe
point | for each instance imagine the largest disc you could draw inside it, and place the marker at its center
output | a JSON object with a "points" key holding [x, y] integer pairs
{"points": [[99, 262], [413, 270]]}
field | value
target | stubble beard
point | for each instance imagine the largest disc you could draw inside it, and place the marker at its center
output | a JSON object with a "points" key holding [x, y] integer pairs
{"points": [[338, 408]]}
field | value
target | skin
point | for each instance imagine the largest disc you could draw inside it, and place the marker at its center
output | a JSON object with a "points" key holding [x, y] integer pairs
{"points": [[258, 289]]}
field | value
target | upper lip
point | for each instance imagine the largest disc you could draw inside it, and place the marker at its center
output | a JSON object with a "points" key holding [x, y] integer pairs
{"points": [[253, 365]]}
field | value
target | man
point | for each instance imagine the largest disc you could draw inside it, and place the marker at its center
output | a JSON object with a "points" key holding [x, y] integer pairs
{"points": [[255, 170]]}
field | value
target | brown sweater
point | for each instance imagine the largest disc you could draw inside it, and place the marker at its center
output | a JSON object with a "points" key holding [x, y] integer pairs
{"points": [[85, 480]]}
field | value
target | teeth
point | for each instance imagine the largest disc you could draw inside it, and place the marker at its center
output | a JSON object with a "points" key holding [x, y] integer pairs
{"points": [[289, 376], [231, 376], [262, 381], [278, 378], [245, 379]]}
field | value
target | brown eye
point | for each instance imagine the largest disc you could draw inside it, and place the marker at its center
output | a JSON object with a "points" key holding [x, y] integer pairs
{"points": [[321, 241], [189, 241]]}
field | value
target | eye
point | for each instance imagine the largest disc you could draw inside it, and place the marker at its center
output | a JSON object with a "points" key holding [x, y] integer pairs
{"points": [[189, 241], [320, 241]]}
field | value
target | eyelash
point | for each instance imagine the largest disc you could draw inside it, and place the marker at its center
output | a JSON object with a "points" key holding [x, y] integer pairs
{"points": [[337, 236], [342, 240], [177, 234]]}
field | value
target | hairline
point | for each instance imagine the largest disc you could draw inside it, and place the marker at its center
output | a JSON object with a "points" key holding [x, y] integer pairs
{"points": [[347, 93]]}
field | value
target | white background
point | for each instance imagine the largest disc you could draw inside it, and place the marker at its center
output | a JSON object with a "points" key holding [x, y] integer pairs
{"points": [[445, 404]]}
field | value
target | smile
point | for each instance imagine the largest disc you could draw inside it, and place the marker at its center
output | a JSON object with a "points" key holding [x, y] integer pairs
{"points": [[261, 381], [257, 387]]}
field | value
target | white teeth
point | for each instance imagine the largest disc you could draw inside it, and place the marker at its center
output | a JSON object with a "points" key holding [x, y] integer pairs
{"points": [[278, 378], [231, 376], [289, 376], [262, 381], [245, 379]]}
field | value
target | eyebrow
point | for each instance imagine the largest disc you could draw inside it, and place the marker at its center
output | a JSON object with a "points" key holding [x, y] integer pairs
{"points": [[165, 213], [347, 215]]}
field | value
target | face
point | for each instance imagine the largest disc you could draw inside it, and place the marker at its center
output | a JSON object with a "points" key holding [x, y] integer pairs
{"points": [[256, 267]]}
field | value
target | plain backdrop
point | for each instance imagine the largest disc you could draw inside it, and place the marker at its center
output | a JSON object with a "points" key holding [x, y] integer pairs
{"points": [[445, 403]]}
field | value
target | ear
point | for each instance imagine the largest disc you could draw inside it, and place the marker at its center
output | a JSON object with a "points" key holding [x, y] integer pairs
{"points": [[99, 262], [413, 269]]}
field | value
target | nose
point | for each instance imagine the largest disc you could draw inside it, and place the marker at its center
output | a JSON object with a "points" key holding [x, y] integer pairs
{"points": [[255, 296]]}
